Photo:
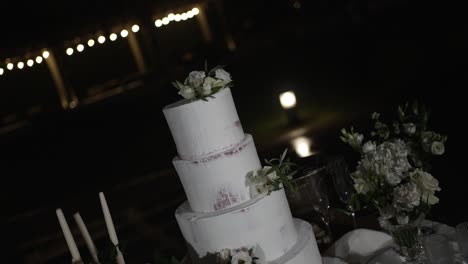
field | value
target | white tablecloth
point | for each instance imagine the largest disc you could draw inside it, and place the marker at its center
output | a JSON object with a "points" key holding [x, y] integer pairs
{"points": [[373, 247]]}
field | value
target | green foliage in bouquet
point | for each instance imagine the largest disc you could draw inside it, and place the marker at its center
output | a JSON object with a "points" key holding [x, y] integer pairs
{"points": [[393, 173], [277, 174]]}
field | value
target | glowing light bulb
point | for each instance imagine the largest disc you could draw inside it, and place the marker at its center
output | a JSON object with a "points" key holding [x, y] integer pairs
{"points": [[195, 11], [113, 37], [124, 33], [30, 63], [38, 59], [135, 28], [184, 16], [158, 23], [2, 71], [101, 39], [80, 47], [10, 66], [45, 54], [91, 42], [171, 16], [69, 51], [302, 146], [20, 65], [288, 100], [177, 18], [190, 14], [165, 21]]}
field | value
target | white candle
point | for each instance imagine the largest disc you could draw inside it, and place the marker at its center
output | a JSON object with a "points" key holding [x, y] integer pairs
{"points": [[87, 237], [68, 236], [110, 227]]}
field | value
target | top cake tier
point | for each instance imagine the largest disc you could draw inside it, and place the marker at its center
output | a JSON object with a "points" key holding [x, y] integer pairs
{"points": [[202, 128]]}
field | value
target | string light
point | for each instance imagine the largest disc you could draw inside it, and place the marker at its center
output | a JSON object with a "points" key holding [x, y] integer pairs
{"points": [[10, 66], [113, 37], [176, 17], [38, 59], [135, 28], [124, 33], [91, 42], [80, 47], [2, 71], [69, 51], [20, 65], [30, 63], [101, 39], [158, 23], [45, 54]]}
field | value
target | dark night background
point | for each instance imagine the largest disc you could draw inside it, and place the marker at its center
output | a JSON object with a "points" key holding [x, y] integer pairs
{"points": [[344, 60]]}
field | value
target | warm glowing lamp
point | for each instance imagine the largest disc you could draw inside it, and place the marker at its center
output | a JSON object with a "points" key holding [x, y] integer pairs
{"points": [[177, 18], [101, 39], [288, 99], [184, 16], [165, 21], [38, 59], [30, 63], [135, 28], [20, 65], [124, 33], [80, 47], [91, 42], [113, 37], [45, 54], [2, 71], [69, 51], [10, 66], [195, 11], [158, 23], [302, 146]]}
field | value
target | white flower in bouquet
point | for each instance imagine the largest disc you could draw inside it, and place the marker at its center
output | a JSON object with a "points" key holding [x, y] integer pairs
{"points": [[409, 128], [207, 85], [427, 184], [352, 138], [187, 92], [406, 197], [241, 257], [195, 79], [368, 147], [437, 148], [223, 75], [225, 254]]}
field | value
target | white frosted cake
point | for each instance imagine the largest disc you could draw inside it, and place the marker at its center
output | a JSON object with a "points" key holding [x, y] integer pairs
{"points": [[222, 221]]}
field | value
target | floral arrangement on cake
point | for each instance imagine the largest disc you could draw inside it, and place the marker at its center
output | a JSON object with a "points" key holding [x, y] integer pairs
{"points": [[203, 84], [243, 255], [393, 172], [277, 174]]}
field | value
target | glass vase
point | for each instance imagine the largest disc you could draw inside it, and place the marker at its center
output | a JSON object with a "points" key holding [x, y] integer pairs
{"points": [[407, 239]]}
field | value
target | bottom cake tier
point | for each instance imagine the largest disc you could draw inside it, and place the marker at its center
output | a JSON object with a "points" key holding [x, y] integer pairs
{"points": [[305, 251]]}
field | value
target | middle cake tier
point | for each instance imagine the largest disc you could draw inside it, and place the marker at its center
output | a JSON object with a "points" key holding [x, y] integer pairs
{"points": [[218, 181]]}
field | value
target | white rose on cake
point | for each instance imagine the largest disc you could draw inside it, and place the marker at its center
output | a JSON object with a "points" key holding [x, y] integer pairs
{"points": [[241, 257], [223, 75], [195, 79], [187, 92], [207, 86]]}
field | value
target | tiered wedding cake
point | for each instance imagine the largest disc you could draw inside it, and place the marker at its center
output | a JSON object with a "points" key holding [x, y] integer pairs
{"points": [[224, 220]]}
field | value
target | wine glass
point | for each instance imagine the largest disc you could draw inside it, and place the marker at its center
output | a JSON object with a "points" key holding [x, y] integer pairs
{"points": [[343, 184], [312, 195]]}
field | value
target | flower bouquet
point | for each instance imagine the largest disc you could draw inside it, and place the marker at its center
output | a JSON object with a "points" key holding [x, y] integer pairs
{"points": [[203, 84], [393, 176]]}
